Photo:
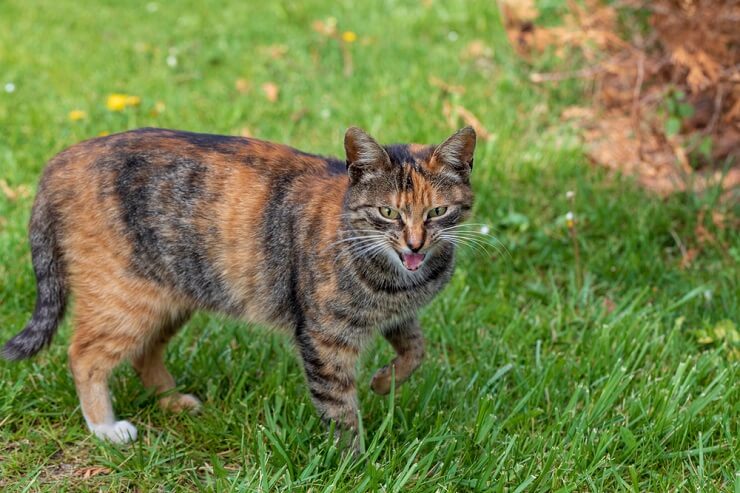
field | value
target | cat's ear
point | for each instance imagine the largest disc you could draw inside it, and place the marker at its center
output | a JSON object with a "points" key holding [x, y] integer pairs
{"points": [[364, 154], [455, 153]]}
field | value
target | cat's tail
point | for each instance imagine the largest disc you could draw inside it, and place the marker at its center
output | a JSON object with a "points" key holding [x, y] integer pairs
{"points": [[51, 289]]}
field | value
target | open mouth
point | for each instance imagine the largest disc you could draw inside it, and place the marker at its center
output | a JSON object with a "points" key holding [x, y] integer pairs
{"points": [[412, 261]]}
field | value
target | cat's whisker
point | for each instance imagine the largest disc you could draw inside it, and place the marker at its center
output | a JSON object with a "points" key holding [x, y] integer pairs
{"points": [[478, 248], [473, 239], [479, 235], [367, 248], [354, 239], [375, 251], [477, 245]]}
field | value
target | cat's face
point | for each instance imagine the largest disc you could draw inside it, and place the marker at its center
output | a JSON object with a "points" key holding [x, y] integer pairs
{"points": [[405, 201]]}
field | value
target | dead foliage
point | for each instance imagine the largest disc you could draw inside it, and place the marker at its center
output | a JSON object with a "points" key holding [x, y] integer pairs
{"points": [[665, 78]]}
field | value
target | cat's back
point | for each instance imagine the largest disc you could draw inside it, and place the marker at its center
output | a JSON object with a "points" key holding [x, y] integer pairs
{"points": [[157, 147], [174, 166], [181, 208]]}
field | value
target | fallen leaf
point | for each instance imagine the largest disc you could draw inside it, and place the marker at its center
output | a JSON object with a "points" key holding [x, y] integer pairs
{"points": [[688, 257], [271, 90], [450, 88], [476, 49], [519, 10], [276, 51], [576, 113], [12, 194], [609, 305], [89, 472], [298, 115], [327, 28], [242, 86], [453, 112]]}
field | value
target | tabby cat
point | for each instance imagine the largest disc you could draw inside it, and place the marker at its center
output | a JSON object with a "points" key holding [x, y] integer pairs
{"points": [[147, 226]]}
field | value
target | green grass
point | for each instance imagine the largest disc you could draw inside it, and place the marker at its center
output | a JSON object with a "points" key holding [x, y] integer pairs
{"points": [[532, 382]]}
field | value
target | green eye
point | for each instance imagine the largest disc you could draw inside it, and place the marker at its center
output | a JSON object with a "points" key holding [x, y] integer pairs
{"points": [[437, 211], [388, 213]]}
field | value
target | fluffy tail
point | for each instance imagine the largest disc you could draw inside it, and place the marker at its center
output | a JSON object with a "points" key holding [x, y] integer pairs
{"points": [[51, 291]]}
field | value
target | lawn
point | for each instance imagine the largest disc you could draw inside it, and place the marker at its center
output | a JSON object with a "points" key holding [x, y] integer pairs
{"points": [[612, 369]]}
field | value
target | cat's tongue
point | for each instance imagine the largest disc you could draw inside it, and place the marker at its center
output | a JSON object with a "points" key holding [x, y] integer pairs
{"points": [[412, 261]]}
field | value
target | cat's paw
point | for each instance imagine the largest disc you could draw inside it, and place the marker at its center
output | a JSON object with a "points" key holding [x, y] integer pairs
{"points": [[381, 382], [178, 403], [118, 432]]}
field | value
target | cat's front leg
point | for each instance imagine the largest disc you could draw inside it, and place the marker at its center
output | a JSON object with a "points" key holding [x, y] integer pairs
{"points": [[408, 341], [329, 360]]}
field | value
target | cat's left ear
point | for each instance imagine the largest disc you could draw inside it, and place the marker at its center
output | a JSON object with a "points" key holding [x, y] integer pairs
{"points": [[364, 154], [455, 153]]}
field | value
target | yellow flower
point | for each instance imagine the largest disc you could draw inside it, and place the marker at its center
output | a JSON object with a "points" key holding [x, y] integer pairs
{"points": [[570, 220], [77, 115], [349, 37], [116, 102], [103, 133], [119, 102], [159, 107]]}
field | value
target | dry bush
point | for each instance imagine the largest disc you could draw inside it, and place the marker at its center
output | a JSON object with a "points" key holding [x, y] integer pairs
{"points": [[665, 101]]}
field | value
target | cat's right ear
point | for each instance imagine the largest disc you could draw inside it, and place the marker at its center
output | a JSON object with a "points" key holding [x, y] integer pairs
{"points": [[365, 156]]}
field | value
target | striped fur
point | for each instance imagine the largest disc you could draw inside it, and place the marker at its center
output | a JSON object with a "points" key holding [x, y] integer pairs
{"points": [[146, 226]]}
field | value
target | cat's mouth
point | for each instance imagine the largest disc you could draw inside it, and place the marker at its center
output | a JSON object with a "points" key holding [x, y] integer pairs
{"points": [[412, 261]]}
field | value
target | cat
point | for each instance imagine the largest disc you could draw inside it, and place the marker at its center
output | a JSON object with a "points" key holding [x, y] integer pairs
{"points": [[144, 227]]}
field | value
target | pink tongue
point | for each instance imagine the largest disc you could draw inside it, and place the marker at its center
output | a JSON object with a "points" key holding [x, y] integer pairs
{"points": [[412, 261]]}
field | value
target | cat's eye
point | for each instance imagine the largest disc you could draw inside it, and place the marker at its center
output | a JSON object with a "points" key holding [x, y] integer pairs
{"points": [[436, 212], [389, 213]]}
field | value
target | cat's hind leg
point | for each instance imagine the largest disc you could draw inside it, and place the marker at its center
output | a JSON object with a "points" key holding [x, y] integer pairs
{"points": [[110, 325], [150, 367]]}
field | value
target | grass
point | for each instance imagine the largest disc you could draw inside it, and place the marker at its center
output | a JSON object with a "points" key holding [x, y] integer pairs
{"points": [[538, 378]]}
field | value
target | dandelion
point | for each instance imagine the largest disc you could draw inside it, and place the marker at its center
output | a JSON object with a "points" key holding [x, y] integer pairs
{"points": [[570, 195], [171, 61], [570, 220], [77, 115], [9, 87], [103, 133], [119, 102], [159, 107], [349, 37], [452, 36], [485, 229], [116, 102]]}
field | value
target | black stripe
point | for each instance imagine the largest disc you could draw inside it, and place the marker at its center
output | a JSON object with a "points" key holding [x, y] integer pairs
{"points": [[324, 396], [280, 252]]}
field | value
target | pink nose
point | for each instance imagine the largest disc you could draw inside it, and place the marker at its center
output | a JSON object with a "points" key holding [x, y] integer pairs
{"points": [[414, 242]]}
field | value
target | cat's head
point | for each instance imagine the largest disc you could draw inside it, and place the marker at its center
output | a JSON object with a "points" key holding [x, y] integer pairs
{"points": [[404, 201]]}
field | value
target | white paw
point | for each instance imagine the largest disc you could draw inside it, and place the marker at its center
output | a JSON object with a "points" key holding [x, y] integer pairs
{"points": [[118, 432]]}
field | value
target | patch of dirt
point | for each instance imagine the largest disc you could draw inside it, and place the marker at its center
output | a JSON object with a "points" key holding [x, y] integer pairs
{"points": [[665, 85]]}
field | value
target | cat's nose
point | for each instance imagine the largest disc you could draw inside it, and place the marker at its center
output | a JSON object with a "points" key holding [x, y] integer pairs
{"points": [[414, 239], [414, 244]]}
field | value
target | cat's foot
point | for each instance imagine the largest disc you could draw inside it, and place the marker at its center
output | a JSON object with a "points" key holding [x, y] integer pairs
{"points": [[381, 382], [178, 403], [118, 432]]}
